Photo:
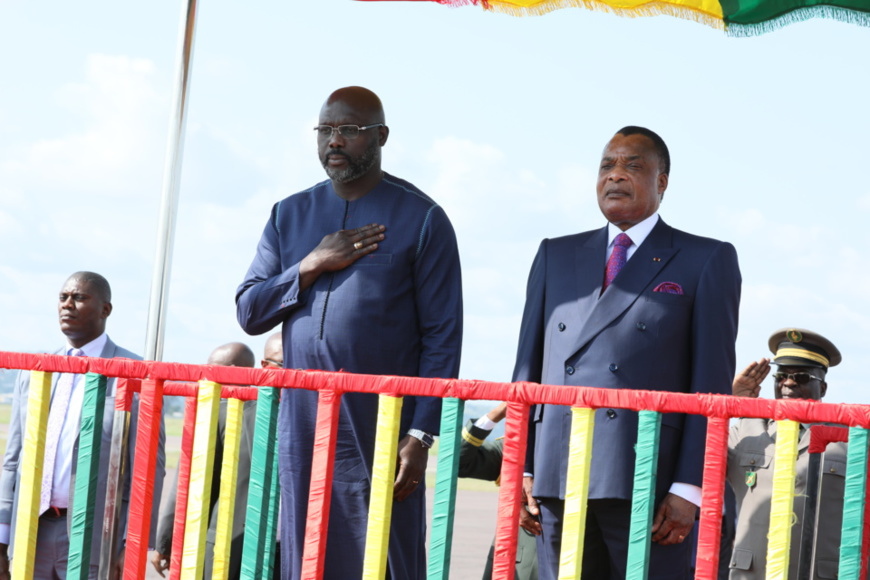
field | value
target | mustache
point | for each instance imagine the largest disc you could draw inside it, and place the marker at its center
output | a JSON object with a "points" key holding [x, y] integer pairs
{"points": [[337, 152]]}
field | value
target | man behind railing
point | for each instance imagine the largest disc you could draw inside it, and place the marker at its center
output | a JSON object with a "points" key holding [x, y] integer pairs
{"points": [[636, 304], [362, 272], [84, 305], [803, 358], [234, 354]]}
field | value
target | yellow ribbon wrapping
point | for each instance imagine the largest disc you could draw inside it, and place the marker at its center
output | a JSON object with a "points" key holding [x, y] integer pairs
{"points": [[579, 467], [782, 500], [383, 477]]}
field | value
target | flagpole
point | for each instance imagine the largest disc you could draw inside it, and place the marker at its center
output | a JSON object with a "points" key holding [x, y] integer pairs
{"points": [[171, 178], [160, 275]]}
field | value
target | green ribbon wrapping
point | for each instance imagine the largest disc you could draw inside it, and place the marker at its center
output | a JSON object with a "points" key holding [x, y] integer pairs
{"points": [[87, 470], [853, 504], [643, 500], [260, 491], [441, 539], [271, 522]]}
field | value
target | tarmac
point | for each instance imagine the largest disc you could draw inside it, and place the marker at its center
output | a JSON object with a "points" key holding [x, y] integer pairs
{"points": [[473, 529]]}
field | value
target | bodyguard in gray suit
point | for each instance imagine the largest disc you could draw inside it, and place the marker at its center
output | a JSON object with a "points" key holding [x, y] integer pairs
{"points": [[85, 302], [636, 304], [803, 358]]}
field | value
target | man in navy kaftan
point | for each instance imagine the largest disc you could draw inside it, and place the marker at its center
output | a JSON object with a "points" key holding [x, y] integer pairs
{"points": [[363, 272]]}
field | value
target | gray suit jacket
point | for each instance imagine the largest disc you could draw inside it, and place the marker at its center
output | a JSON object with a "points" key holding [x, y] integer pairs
{"points": [[751, 449], [630, 337], [167, 515], [10, 478]]}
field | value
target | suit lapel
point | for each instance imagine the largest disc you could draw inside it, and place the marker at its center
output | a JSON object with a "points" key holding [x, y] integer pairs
{"points": [[649, 259], [589, 269]]}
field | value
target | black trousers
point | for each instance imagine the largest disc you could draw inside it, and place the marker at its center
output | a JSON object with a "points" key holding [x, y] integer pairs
{"points": [[605, 551]]}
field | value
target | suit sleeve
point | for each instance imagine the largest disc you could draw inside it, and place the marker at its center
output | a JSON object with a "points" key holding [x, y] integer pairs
{"points": [[268, 292], [166, 522], [12, 457], [438, 285], [530, 351], [714, 333]]}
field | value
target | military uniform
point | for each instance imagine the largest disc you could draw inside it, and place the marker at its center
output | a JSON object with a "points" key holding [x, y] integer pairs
{"points": [[750, 473], [804, 356], [481, 459]]}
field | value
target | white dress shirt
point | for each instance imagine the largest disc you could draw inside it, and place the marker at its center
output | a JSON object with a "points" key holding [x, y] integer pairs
{"points": [[63, 461], [638, 233], [68, 435]]}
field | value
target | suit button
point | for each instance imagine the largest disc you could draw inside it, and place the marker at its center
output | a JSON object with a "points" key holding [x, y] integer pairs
{"points": [[569, 370], [561, 327], [613, 367], [611, 414], [751, 462], [641, 326]]}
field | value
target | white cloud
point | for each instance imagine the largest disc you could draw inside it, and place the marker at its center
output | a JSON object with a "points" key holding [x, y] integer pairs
{"points": [[120, 110]]}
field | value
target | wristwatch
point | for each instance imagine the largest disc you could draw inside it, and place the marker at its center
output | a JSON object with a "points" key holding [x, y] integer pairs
{"points": [[425, 439]]}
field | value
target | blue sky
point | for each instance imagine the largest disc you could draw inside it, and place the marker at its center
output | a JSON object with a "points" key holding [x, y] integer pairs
{"points": [[502, 120]]}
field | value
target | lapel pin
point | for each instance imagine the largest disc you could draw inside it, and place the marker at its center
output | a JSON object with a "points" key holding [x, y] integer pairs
{"points": [[657, 259]]}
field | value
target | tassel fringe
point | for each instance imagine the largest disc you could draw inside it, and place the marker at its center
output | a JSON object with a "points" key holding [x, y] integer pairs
{"points": [[798, 15], [654, 8], [662, 7]]}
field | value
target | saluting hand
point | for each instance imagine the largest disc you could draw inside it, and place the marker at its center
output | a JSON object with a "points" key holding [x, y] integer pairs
{"points": [[748, 382], [338, 251]]}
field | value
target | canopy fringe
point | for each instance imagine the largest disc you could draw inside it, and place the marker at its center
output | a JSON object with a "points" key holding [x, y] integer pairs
{"points": [[798, 15], [655, 8]]}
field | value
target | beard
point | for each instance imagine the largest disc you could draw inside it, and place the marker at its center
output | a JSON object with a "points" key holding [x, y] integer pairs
{"points": [[356, 167]]}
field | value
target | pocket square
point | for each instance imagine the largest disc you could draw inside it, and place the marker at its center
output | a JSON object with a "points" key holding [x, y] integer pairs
{"points": [[669, 288]]}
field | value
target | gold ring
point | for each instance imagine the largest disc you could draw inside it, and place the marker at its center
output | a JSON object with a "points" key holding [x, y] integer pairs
{"points": [[415, 482], [358, 245]]}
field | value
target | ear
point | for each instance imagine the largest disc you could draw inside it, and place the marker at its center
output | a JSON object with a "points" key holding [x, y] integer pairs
{"points": [[662, 184], [383, 133], [823, 390], [107, 309]]}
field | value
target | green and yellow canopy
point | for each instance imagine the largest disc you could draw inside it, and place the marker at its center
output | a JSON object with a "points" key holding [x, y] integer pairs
{"points": [[736, 17]]}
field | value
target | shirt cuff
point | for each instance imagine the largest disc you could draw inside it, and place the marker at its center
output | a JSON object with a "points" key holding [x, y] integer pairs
{"points": [[485, 423], [527, 474], [5, 533], [687, 491]]}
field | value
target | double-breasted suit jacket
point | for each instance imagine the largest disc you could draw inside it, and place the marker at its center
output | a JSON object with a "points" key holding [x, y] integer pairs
{"points": [[629, 337], [10, 480], [751, 447]]}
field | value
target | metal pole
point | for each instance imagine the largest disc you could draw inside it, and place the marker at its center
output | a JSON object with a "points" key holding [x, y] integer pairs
{"points": [[160, 275], [171, 180]]}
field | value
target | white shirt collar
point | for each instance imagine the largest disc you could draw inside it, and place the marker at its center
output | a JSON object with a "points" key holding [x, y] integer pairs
{"points": [[93, 348], [638, 232]]}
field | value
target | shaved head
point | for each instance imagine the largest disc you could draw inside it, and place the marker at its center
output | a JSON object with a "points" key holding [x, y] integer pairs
{"points": [[233, 354], [273, 352], [362, 100]]}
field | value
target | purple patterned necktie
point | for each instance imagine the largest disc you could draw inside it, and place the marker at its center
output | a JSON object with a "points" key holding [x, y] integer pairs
{"points": [[617, 259], [56, 417]]}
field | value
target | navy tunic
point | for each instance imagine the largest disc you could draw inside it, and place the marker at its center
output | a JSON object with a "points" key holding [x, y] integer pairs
{"points": [[396, 311]]}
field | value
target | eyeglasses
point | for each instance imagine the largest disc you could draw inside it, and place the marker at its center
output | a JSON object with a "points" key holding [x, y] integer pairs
{"points": [[346, 131], [274, 363], [799, 378]]}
